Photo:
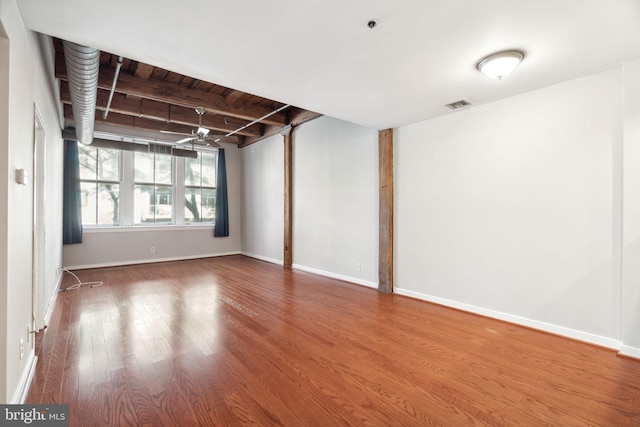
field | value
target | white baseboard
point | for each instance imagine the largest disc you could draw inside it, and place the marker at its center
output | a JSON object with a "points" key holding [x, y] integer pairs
{"points": [[148, 261], [625, 350], [349, 279], [518, 320], [263, 258], [319, 272], [52, 302], [20, 395]]}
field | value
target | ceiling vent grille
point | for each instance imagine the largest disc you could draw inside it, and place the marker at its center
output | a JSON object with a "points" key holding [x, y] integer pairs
{"points": [[159, 149], [458, 104]]}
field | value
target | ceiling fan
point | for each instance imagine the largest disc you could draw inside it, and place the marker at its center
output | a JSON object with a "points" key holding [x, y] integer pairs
{"points": [[199, 135]]}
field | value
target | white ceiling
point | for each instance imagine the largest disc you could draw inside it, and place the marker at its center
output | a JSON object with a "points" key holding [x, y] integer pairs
{"points": [[320, 55]]}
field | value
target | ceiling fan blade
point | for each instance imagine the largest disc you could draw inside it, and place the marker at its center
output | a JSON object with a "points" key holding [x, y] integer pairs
{"points": [[184, 140], [213, 139]]}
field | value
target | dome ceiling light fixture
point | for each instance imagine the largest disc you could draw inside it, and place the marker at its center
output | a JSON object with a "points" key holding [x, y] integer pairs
{"points": [[500, 64]]}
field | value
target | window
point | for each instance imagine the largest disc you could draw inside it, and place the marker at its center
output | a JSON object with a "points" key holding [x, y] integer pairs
{"points": [[100, 185], [130, 188], [153, 189], [200, 188]]}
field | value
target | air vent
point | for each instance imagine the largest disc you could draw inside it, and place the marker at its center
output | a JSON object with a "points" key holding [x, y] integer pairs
{"points": [[458, 104], [159, 149]]}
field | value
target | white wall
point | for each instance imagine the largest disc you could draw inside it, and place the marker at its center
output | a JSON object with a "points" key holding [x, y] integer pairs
{"points": [[335, 200], [631, 230], [28, 83], [132, 245], [513, 209], [4, 211], [263, 199], [47, 96]]}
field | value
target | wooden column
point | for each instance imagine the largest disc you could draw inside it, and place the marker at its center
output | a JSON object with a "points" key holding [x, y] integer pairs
{"points": [[288, 200], [385, 172]]}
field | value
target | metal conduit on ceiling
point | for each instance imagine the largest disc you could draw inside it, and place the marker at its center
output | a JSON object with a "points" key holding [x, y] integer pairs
{"points": [[83, 65]]}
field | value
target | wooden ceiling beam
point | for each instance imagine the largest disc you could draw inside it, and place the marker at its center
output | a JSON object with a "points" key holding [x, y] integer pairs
{"points": [[142, 123], [233, 96], [163, 91], [143, 71], [296, 118], [146, 108]]}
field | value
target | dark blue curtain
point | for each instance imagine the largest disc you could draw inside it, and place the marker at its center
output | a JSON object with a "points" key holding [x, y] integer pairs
{"points": [[221, 227], [72, 206]]}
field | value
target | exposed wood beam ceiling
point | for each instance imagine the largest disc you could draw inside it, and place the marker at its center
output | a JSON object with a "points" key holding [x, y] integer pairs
{"points": [[154, 99]]}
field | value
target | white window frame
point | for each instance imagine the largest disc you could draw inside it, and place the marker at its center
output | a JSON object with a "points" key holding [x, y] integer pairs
{"points": [[126, 200], [100, 181], [184, 187], [174, 184]]}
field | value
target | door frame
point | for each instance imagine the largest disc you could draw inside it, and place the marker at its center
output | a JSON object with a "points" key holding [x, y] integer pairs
{"points": [[39, 304]]}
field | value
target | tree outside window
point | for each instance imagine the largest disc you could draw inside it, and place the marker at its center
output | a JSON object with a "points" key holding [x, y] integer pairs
{"points": [[99, 185], [200, 188]]}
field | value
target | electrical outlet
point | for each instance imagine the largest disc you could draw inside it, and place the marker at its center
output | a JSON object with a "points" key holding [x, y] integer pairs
{"points": [[153, 249], [358, 267], [21, 348]]}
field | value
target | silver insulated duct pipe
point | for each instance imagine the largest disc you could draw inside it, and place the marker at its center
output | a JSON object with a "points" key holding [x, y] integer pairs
{"points": [[83, 64]]}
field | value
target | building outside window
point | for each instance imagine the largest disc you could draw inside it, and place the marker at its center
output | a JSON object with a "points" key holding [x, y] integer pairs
{"points": [[153, 189]]}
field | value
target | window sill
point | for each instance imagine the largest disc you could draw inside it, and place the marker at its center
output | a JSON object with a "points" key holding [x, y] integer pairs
{"points": [[143, 228]]}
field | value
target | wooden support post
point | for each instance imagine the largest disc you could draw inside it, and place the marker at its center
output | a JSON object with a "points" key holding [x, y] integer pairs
{"points": [[288, 200], [385, 171]]}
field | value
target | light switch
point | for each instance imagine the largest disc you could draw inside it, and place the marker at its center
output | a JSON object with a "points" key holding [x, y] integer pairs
{"points": [[22, 176]]}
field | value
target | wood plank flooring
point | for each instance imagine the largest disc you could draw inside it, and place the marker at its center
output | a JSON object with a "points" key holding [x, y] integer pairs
{"points": [[235, 341]]}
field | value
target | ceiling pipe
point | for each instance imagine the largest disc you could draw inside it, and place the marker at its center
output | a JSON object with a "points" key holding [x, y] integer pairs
{"points": [[113, 87], [83, 64], [255, 121]]}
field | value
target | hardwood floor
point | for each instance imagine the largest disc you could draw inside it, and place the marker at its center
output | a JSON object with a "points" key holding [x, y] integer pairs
{"points": [[232, 341]]}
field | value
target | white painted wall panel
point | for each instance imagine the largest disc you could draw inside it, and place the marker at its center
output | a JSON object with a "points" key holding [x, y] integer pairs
{"points": [[508, 207], [335, 199], [631, 230], [27, 84], [263, 199], [47, 99]]}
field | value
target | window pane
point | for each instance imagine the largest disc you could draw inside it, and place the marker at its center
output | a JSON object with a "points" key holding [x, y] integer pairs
{"points": [[144, 167], [108, 203], [163, 203], [200, 204], [163, 170], [192, 204], [208, 169], [192, 171], [108, 164], [88, 197], [153, 204], [87, 157], [144, 211], [208, 205]]}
